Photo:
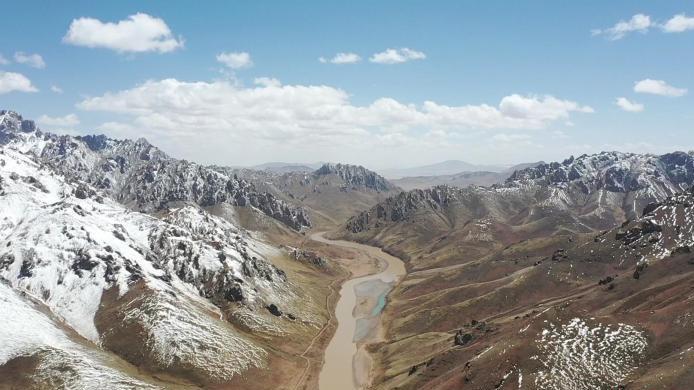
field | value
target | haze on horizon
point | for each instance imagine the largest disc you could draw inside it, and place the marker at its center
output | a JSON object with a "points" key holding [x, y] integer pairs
{"points": [[394, 84]]}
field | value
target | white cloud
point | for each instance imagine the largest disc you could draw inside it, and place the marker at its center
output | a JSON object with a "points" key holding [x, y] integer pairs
{"points": [[33, 60], [679, 23], [235, 60], [56, 89], [627, 105], [342, 58], [658, 87], [66, 121], [10, 81], [638, 23], [397, 56], [267, 82], [504, 137], [545, 109], [138, 33], [3, 60], [305, 119], [642, 23]]}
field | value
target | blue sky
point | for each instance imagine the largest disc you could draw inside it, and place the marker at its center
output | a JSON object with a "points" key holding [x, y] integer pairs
{"points": [[475, 55]]}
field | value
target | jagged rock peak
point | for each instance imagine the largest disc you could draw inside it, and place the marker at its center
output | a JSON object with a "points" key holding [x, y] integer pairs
{"points": [[356, 175], [11, 121], [612, 171]]}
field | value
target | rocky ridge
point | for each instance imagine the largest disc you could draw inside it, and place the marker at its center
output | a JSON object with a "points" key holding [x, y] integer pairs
{"points": [[591, 192], [613, 172], [140, 175]]}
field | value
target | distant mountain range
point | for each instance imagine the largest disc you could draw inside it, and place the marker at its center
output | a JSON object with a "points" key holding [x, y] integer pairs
{"points": [[586, 193], [449, 167], [445, 168], [462, 179], [282, 167]]}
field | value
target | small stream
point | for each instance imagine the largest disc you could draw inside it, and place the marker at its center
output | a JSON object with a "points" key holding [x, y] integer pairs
{"points": [[346, 367]]}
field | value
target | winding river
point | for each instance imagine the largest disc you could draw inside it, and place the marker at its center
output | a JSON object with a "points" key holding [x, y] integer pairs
{"points": [[347, 365]]}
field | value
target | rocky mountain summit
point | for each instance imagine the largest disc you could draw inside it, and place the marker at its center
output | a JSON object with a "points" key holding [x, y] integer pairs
{"points": [[356, 176], [140, 175], [12, 123], [614, 172]]}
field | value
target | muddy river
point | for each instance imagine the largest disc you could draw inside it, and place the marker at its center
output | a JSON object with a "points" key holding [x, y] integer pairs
{"points": [[358, 313]]}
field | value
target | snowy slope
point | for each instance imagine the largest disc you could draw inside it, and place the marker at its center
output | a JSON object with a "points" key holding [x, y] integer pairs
{"points": [[176, 279], [581, 356], [63, 363]]}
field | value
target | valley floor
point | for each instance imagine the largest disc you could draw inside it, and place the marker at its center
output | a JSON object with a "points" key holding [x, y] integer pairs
{"points": [[358, 314], [350, 262]]}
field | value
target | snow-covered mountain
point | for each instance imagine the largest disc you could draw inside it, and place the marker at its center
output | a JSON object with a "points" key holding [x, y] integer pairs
{"points": [[614, 172], [138, 174], [666, 229], [99, 289]]}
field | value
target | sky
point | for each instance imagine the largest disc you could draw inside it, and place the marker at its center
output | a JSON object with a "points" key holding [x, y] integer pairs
{"points": [[382, 84]]}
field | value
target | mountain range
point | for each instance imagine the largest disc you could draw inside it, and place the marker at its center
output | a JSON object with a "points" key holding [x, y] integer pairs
{"points": [[282, 167], [461, 179], [448, 167], [123, 268]]}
